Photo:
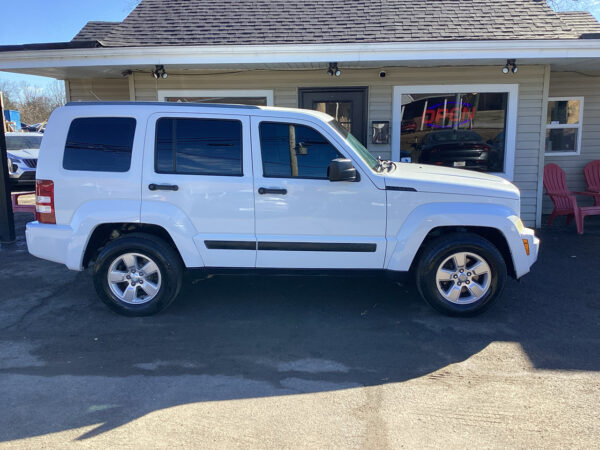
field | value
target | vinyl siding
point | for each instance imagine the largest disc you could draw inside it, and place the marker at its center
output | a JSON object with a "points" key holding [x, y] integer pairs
{"points": [[99, 89], [570, 84], [285, 84]]}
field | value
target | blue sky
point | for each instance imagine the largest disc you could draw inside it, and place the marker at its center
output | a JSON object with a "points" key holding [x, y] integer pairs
{"points": [[59, 20], [53, 21]]}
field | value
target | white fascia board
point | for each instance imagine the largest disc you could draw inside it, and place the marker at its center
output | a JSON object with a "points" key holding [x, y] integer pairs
{"points": [[273, 54]]}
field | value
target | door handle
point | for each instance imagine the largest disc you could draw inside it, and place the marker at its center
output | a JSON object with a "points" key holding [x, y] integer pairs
{"points": [[163, 187], [263, 191]]}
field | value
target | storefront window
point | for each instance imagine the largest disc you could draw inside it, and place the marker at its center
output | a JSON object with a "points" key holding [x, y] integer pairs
{"points": [[464, 130]]}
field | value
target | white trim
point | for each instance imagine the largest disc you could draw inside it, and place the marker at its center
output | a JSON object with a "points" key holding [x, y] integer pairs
{"points": [[67, 84], [579, 126], [239, 55], [164, 93], [131, 80], [541, 157], [511, 114]]}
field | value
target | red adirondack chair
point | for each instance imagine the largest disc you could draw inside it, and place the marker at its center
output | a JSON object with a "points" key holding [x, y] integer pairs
{"points": [[565, 202], [592, 177]]}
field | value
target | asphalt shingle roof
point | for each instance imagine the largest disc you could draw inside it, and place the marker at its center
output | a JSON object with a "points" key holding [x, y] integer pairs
{"points": [[245, 22], [95, 31], [580, 21]]}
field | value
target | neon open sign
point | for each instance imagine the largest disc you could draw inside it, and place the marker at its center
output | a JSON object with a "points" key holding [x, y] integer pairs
{"points": [[447, 114]]}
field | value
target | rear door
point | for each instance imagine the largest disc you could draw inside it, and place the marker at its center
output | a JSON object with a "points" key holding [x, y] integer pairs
{"points": [[198, 179]]}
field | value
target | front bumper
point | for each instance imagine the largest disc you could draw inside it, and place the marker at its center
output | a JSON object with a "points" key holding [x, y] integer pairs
{"points": [[23, 175], [523, 261]]}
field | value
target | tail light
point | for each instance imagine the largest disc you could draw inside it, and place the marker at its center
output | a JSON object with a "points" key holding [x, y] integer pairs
{"points": [[44, 201]]}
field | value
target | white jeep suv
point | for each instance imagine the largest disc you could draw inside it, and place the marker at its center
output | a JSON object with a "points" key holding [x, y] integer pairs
{"points": [[143, 190]]}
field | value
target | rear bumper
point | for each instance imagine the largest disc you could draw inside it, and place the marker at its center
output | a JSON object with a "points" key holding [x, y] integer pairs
{"points": [[55, 243]]}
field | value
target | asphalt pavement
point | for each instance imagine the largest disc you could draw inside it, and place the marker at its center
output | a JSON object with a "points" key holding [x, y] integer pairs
{"points": [[303, 362]]}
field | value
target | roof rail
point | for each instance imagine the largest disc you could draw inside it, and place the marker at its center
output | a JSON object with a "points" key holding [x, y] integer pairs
{"points": [[169, 104]]}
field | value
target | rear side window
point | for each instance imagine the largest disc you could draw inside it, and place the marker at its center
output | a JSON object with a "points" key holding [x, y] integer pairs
{"points": [[99, 144], [199, 146], [294, 151]]}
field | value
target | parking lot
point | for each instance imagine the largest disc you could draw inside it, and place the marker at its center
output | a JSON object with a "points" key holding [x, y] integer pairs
{"points": [[309, 362]]}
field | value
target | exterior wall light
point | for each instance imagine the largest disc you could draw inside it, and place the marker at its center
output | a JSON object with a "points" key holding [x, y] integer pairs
{"points": [[334, 70], [159, 72], [511, 66]]}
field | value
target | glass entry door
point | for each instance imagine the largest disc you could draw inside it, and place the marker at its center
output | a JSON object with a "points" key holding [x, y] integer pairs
{"points": [[347, 105]]}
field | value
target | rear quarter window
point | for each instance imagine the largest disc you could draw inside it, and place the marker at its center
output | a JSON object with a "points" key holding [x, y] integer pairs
{"points": [[99, 144]]}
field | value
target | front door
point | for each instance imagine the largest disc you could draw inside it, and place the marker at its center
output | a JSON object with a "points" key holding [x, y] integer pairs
{"points": [[303, 220], [347, 105]]}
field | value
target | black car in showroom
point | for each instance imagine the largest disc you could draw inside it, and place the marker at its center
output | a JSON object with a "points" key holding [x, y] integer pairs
{"points": [[457, 148]]}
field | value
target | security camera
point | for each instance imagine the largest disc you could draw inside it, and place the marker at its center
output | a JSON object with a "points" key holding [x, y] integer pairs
{"points": [[382, 74]]}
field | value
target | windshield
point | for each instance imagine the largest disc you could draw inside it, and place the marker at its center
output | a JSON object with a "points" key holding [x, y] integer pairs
{"points": [[360, 149], [21, 142]]}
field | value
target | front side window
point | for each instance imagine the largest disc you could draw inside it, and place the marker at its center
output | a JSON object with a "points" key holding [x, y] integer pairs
{"points": [[563, 126], [464, 129], [294, 151], [199, 146], [99, 144]]}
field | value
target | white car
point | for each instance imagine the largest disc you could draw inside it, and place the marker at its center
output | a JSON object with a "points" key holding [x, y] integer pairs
{"points": [[22, 150], [141, 191]]}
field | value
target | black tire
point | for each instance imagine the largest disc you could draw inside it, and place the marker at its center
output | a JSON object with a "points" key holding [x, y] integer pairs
{"points": [[438, 251], [162, 254]]}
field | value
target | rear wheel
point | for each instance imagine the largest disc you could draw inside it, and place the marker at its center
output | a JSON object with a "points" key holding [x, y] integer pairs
{"points": [[138, 274], [460, 274]]}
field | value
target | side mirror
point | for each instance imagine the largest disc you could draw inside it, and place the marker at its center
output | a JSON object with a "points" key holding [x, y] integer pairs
{"points": [[341, 169]]}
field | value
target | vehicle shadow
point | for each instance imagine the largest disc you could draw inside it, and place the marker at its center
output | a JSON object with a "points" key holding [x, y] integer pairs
{"points": [[235, 337]]}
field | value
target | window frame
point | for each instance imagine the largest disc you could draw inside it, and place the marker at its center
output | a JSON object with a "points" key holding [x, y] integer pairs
{"points": [[163, 94], [103, 116], [578, 126], [291, 122], [159, 118], [510, 126]]}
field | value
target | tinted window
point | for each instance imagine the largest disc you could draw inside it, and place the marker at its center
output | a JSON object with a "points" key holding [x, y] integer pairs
{"points": [[294, 151], [23, 142], [99, 144], [199, 146]]}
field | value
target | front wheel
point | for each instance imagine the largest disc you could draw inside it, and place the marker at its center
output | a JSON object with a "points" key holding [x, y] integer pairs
{"points": [[460, 274], [138, 275]]}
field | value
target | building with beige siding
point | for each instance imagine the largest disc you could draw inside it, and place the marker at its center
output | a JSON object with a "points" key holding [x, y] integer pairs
{"points": [[503, 87]]}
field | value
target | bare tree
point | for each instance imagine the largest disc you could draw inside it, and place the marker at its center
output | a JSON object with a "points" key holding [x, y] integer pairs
{"points": [[8, 94], [34, 103]]}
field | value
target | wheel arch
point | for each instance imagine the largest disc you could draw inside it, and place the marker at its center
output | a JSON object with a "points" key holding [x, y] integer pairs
{"points": [[107, 232], [495, 236], [495, 223]]}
